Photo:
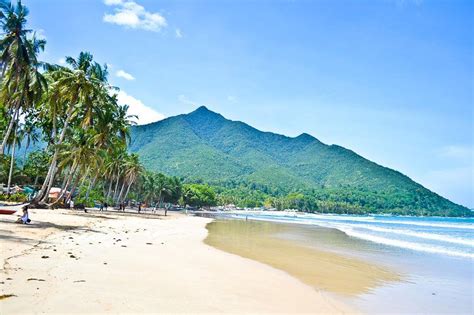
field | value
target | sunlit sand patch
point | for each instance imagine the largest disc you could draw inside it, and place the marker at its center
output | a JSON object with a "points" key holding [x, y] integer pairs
{"points": [[321, 269]]}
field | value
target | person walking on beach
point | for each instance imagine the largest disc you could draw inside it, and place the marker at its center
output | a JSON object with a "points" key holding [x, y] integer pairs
{"points": [[71, 204], [139, 207]]}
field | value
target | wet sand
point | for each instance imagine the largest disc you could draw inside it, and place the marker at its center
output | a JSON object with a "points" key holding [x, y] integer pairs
{"points": [[321, 269], [72, 262]]}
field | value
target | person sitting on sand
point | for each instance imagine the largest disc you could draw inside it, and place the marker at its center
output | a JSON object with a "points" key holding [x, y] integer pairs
{"points": [[24, 219]]}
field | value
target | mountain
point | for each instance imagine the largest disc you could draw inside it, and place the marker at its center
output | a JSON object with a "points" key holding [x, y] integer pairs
{"points": [[235, 157]]}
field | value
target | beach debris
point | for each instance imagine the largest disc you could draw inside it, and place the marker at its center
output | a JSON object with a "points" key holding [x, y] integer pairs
{"points": [[72, 256], [71, 238], [149, 243], [54, 250], [35, 279], [9, 279], [80, 281], [124, 245], [105, 263], [44, 257], [5, 296]]}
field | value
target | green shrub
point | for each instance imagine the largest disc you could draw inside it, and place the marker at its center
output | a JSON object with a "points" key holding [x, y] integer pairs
{"points": [[17, 197]]}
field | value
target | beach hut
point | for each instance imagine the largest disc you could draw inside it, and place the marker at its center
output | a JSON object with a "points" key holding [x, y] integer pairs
{"points": [[55, 192]]}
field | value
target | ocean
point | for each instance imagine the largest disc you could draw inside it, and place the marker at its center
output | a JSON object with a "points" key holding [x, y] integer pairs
{"points": [[433, 255]]}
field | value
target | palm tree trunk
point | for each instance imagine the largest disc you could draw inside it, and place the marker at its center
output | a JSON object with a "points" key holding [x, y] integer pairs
{"points": [[110, 188], [10, 127], [128, 189], [159, 200], [86, 174], [121, 191], [74, 186], [91, 185], [12, 164], [24, 154], [66, 176], [69, 177], [116, 187], [48, 183]]}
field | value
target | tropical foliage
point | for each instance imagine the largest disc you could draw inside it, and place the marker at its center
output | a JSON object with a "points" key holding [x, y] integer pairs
{"points": [[71, 109]]}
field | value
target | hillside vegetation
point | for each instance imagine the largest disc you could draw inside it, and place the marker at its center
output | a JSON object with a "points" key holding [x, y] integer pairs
{"points": [[249, 167]]}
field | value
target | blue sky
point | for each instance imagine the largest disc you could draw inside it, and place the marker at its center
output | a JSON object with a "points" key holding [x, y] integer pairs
{"points": [[391, 80]]}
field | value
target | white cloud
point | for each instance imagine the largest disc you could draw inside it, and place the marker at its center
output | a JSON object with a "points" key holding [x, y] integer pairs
{"points": [[62, 61], [457, 152], [124, 75], [145, 113], [178, 33], [130, 14]]}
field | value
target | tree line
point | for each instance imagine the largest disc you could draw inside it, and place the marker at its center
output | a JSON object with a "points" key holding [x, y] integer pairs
{"points": [[73, 110]]}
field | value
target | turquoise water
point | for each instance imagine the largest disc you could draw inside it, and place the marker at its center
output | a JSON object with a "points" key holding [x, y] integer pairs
{"points": [[441, 236], [434, 255]]}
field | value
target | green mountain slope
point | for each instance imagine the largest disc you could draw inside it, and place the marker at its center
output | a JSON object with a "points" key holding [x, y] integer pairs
{"points": [[204, 146]]}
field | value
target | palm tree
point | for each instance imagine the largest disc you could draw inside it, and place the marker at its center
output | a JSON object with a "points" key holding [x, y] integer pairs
{"points": [[76, 94], [133, 170], [21, 81], [30, 134], [15, 140]]}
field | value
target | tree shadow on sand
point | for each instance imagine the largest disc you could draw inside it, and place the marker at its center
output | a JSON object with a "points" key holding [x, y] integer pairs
{"points": [[92, 215], [6, 235], [46, 225]]}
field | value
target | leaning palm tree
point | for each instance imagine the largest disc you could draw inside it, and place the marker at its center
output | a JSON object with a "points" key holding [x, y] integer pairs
{"points": [[134, 169]]}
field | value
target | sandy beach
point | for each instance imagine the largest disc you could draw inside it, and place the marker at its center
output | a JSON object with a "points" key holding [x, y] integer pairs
{"points": [[76, 262]]}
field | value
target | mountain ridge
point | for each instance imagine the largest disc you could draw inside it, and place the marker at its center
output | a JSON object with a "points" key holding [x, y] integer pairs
{"points": [[204, 146]]}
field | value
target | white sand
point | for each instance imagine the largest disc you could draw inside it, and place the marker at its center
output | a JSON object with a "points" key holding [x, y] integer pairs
{"points": [[177, 273]]}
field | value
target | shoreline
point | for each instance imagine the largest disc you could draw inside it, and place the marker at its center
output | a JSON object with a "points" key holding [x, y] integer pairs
{"points": [[322, 269], [139, 263]]}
